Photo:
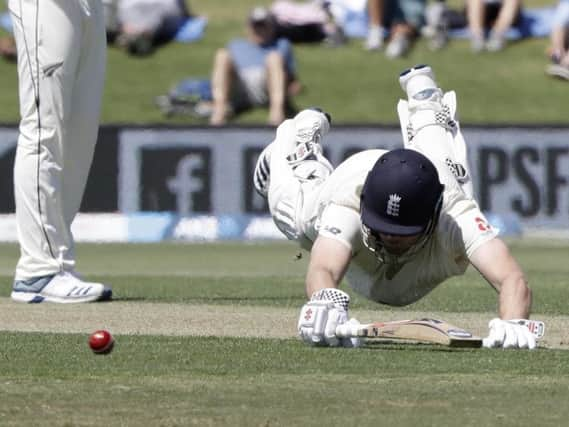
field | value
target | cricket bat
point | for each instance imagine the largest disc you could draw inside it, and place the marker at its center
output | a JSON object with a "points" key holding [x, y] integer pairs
{"points": [[425, 330], [422, 330]]}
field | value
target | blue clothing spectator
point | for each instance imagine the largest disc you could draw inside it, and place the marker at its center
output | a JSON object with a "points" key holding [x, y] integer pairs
{"points": [[249, 61], [259, 70]]}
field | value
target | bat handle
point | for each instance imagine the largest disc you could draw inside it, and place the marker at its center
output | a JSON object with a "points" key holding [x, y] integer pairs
{"points": [[342, 331], [348, 330]]}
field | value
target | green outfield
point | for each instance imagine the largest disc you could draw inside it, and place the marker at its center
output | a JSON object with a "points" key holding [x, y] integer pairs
{"points": [[206, 333], [206, 336]]}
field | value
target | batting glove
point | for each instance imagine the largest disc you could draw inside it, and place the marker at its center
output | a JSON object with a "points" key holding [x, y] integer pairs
{"points": [[320, 316], [509, 334]]}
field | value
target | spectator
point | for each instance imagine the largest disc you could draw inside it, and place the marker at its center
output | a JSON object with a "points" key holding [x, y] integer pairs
{"points": [[139, 26], [559, 42], [255, 71], [403, 19], [495, 17], [309, 21]]}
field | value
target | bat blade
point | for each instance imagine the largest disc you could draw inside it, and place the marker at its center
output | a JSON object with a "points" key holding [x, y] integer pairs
{"points": [[432, 331]]}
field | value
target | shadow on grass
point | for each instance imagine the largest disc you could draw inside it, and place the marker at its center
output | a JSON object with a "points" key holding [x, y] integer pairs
{"points": [[391, 345], [212, 300]]}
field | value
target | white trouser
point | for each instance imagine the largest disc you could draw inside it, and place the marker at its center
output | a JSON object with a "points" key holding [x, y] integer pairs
{"points": [[435, 137], [61, 65], [292, 192]]}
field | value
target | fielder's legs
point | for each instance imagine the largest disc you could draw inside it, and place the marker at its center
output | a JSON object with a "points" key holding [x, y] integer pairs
{"points": [[429, 123], [61, 70], [83, 125], [48, 52]]}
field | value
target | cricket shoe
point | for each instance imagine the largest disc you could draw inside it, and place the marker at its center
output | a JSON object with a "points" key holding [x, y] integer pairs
{"points": [[420, 86], [262, 174], [426, 103], [311, 125], [63, 287], [305, 155], [307, 159]]}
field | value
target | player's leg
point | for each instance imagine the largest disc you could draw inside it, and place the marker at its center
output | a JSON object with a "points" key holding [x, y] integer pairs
{"points": [[292, 167], [84, 117], [429, 122], [48, 46], [48, 34]]}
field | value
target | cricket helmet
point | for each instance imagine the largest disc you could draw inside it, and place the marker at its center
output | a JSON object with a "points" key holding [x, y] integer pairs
{"points": [[402, 194]]}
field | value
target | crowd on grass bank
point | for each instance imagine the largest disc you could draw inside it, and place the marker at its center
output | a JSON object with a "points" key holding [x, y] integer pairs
{"points": [[259, 70]]}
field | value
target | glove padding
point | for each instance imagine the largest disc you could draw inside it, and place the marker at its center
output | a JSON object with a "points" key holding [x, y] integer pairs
{"points": [[320, 316], [509, 334]]}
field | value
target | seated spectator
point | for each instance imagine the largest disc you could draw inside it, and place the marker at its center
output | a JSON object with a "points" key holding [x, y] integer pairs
{"points": [[402, 18], [307, 22], [255, 71], [139, 26], [559, 42], [494, 17]]}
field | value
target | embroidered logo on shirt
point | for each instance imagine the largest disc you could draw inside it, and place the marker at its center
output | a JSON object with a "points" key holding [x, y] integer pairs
{"points": [[50, 69], [393, 204]]}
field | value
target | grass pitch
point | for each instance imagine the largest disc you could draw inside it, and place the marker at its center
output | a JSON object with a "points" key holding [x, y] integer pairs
{"points": [[216, 377]]}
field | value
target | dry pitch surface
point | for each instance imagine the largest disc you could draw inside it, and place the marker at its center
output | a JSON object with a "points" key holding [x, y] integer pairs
{"points": [[215, 320]]}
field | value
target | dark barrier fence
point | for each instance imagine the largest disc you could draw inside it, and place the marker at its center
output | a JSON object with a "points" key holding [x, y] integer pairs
{"points": [[519, 172]]}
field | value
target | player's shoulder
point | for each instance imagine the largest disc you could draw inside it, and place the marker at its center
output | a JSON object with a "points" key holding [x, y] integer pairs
{"points": [[363, 159], [344, 185], [354, 169]]}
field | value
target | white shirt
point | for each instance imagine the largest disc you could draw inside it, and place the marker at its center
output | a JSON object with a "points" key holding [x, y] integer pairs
{"points": [[461, 229]]}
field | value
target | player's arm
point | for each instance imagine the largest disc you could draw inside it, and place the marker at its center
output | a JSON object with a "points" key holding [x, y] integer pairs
{"points": [[495, 262], [492, 258], [497, 265], [329, 260], [330, 257]]}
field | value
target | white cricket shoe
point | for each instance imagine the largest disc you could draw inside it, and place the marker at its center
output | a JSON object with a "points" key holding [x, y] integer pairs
{"points": [[262, 174], [304, 150], [64, 287], [419, 82]]}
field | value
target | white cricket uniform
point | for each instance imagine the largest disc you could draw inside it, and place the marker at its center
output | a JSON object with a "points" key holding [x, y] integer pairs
{"points": [[61, 66], [335, 213], [461, 229]]}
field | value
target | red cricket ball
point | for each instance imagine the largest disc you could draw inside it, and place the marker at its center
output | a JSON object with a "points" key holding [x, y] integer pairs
{"points": [[101, 342]]}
